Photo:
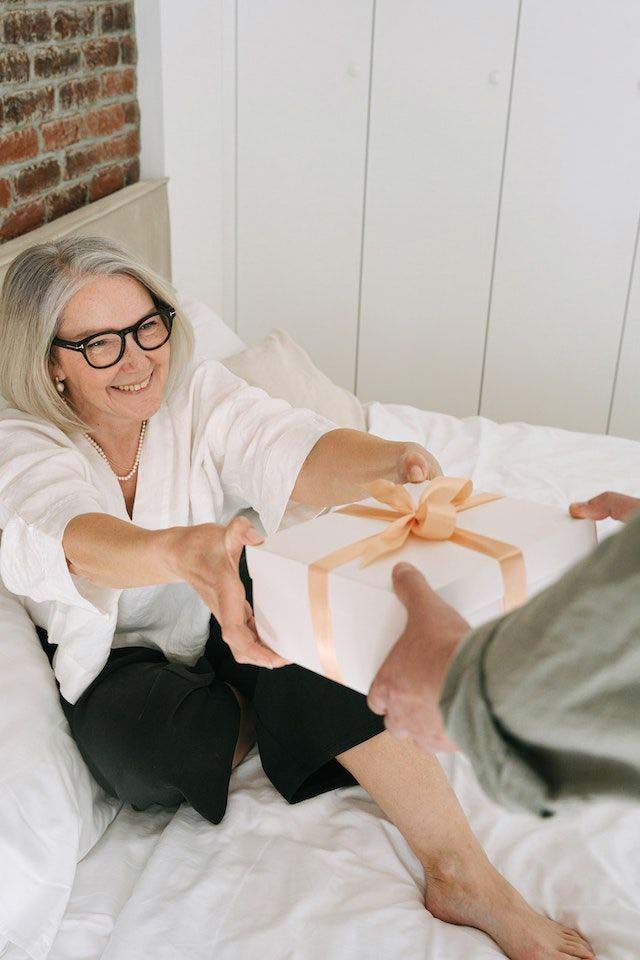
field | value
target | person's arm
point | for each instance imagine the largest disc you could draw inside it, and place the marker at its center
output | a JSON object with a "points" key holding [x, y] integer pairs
{"points": [[540, 699], [113, 553], [409, 684], [343, 460], [282, 460]]}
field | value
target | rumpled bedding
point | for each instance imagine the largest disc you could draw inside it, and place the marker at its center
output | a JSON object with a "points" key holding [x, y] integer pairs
{"points": [[332, 878]]}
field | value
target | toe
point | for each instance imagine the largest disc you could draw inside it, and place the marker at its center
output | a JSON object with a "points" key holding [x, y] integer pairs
{"points": [[576, 937], [573, 948], [573, 945]]}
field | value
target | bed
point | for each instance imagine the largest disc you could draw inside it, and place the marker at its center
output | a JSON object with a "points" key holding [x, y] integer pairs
{"points": [[332, 878]]}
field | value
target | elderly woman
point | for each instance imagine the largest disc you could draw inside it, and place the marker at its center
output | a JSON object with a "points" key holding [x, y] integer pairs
{"points": [[124, 463]]}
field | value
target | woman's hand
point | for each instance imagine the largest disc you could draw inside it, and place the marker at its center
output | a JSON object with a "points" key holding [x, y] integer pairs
{"points": [[415, 464], [207, 557], [343, 462], [619, 506]]}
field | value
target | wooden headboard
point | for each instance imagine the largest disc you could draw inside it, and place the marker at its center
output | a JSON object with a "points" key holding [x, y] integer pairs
{"points": [[137, 216]]}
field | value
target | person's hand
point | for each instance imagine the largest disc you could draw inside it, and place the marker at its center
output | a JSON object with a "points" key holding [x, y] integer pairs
{"points": [[618, 506], [209, 558], [415, 464], [408, 686]]}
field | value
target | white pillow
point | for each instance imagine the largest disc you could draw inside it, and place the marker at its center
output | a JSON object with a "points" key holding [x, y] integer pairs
{"points": [[284, 370], [214, 339], [53, 811]]}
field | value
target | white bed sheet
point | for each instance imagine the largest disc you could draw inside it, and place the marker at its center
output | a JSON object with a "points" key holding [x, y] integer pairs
{"points": [[331, 878]]}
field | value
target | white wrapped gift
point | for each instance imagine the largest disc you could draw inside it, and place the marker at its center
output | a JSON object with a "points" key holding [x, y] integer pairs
{"points": [[316, 604]]}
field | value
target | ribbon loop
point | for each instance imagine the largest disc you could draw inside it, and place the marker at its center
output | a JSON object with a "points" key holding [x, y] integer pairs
{"points": [[434, 517]]}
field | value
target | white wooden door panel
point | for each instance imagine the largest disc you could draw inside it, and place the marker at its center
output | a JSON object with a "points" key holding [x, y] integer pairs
{"points": [[568, 217], [302, 95], [625, 414], [440, 92]]}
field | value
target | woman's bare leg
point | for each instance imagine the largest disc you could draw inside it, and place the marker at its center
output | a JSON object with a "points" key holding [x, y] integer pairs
{"points": [[247, 732], [462, 886]]}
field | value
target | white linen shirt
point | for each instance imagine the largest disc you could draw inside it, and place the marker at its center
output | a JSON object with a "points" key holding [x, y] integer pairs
{"points": [[216, 447]]}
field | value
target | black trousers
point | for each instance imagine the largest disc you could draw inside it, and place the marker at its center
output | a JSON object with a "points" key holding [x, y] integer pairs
{"points": [[156, 732]]}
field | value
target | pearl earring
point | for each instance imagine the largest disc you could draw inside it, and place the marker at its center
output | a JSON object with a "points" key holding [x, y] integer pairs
{"points": [[59, 385]]}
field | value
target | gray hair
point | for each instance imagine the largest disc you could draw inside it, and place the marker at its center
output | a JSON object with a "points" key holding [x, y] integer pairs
{"points": [[38, 286]]}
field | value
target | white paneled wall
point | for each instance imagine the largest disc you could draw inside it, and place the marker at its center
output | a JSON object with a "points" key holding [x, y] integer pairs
{"points": [[179, 89], [302, 87], [569, 215], [625, 416], [440, 96], [439, 200]]}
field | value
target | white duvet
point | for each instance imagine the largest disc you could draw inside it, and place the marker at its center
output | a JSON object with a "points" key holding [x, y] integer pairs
{"points": [[331, 878]]}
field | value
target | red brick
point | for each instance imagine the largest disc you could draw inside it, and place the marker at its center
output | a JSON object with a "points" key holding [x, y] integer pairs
{"points": [[5, 193], [14, 68], [101, 53], [37, 178], [73, 22], [64, 201], [128, 50], [131, 112], [31, 103], [25, 218], [26, 27], [79, 161], [55, 62], [75, 93], [61, 133], [118, 82], [132, 172], [20, 145], [106, 181], [127, 145], [108, 120], [116, 17]]}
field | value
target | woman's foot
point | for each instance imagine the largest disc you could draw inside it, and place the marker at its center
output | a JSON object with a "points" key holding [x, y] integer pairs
{"points": [[477, 896]]}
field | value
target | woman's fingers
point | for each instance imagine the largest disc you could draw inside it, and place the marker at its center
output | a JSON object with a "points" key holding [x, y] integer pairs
{"points": [[238, 534], [239, 630], [416, 464], [226, 598], [251, 623], [247, 648]]}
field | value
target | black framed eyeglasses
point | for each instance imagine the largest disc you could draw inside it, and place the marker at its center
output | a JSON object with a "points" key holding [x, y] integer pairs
{"points": [[107, 348]]}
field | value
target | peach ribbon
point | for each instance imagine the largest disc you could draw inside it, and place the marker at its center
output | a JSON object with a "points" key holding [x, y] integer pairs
{"points": [[434, 518]]}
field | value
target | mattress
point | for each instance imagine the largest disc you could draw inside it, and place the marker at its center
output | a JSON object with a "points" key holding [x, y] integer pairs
{"points": [[332, 878]]}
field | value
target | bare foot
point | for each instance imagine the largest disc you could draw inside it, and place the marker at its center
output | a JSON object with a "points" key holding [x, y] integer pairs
{"points": [[477, 896], [409, 683]]}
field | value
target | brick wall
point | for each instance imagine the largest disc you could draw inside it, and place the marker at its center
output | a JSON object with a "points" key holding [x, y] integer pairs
{"points": [[69, 122]]}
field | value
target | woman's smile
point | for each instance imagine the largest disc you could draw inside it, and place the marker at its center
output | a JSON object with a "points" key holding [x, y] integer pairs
{"points": [[140, 386]]}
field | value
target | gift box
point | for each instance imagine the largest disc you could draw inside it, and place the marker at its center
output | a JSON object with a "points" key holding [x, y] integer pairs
{"points": [[322, 590]]}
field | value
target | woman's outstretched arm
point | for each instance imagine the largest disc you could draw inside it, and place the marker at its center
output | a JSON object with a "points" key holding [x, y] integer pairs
{"points": [[343, 460], [111, 552]]}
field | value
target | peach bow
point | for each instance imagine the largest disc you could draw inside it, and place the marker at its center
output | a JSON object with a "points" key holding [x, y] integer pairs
{"points": [[433, 518]]}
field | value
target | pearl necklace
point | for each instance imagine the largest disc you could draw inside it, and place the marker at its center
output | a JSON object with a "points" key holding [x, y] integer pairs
{"points": [[135, 462]]}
